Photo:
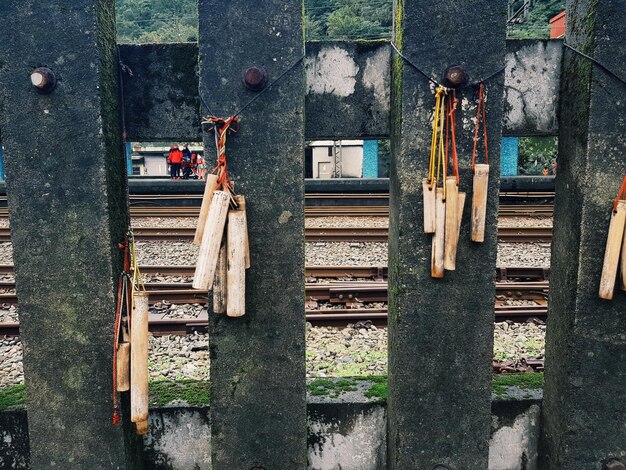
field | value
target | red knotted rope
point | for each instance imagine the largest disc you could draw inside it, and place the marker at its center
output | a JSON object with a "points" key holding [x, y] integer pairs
{"points": [[451, 134], [480, 114], [221, 127], [621, 195]]}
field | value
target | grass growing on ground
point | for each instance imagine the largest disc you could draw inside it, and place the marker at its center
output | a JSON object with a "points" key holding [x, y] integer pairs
{"points": [[12, 397]]}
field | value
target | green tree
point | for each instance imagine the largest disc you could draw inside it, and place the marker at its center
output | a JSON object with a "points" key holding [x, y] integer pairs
{"points": [[537, 153], [537, 26]]}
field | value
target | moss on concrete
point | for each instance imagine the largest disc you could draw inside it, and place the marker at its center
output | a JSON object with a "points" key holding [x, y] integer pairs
{"points": [[527, 381], [192, 392], [196, 393], [331, 388]]}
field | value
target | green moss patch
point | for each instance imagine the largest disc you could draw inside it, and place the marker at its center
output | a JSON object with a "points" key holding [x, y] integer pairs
{"points": [[527, 381], [12, 397], [196, 393], [192, 392], [331, 388]]}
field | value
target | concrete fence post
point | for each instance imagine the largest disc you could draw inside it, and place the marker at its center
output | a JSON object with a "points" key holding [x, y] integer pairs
{"points": [[441, 330], [258, 399], [585, 393], [67, 196]]}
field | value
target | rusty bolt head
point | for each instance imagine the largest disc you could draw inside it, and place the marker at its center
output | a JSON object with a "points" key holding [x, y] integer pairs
{"points": [[455, 77], [613, 464], [255, 78], [43, 79]]}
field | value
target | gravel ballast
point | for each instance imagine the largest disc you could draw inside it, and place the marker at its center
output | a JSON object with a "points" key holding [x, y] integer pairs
{"points": [[357, 350], [360, 349]]}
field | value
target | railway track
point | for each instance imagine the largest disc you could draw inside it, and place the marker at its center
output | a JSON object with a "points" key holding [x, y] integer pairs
{"points": [[331, 234], [346, 299], [339, 292], [146, 211], [339, 272], [160, 326]]}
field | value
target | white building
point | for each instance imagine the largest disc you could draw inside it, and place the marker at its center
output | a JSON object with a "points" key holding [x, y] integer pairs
{"points": [[337, 159]]}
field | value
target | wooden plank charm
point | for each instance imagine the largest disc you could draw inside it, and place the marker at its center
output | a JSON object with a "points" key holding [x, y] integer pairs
{"points": [[236, 271], [220, 291], [241, 202], [209, 187], [429, 207], [479, 202], [452, 225], [142, 427], [611, 254], [139, 360], [123, 367], [460, 206], [211, 240], [438, 244]]}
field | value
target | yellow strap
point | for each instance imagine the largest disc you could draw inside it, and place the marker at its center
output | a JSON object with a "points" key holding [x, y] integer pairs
{"points": [[442, 153], [437, 154], [137, 278]]}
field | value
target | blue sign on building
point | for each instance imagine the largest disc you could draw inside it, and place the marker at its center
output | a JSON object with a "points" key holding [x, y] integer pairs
{"points": [[370, 159], [1, 164], [510, 156]]}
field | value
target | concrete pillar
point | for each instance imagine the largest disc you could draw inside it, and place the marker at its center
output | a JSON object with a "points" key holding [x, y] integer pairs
{"points": [[67, 196], [440, 330], [510, 156], [370, 159], [258, 407], [585, 393]]}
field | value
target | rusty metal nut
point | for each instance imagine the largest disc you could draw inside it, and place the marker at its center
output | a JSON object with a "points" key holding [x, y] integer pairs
{"points": [[613, 464], [254, 78], [455, 77], [43, 79]]}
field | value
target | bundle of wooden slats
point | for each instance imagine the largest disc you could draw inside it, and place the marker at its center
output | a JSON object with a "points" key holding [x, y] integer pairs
{"points": [[615, 248], [224, 256]]}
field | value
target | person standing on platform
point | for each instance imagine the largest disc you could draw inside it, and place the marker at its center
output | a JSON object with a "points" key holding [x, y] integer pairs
{"points": [[186, 152], [174, 159], [194, 165], [201, 167]]}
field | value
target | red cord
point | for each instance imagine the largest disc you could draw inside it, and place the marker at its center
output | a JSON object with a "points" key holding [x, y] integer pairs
{"points": [[480, 114], [452, 104], [116, 335], [621, 195]]}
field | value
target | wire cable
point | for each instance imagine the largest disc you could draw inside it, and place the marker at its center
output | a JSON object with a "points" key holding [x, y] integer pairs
{"points": [[596, 62]]}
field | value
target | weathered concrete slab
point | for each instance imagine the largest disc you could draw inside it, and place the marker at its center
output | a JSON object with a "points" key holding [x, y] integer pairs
{"points": [[348, 85], [160, 86], [258, 410], [347, 89], [585, 393], [531, 91], [441, 330], [67, 197], [346, 433]]}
